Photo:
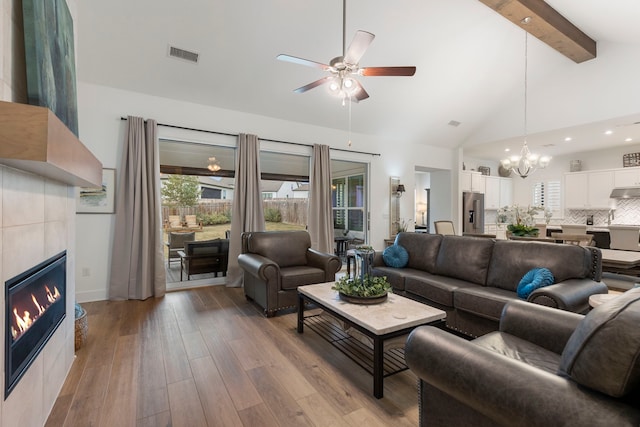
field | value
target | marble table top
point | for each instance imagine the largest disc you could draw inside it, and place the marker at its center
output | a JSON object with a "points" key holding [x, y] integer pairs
{"points": [[615, 256], [396, 313]]}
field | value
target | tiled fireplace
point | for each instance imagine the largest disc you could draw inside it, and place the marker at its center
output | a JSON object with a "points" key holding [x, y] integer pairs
{"points": [[37, 217], [34, 309]]}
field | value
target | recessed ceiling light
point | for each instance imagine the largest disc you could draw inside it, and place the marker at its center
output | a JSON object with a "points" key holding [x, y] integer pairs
{"points": [[628, 140], [506, 150], [609, 132], [567, 139]]}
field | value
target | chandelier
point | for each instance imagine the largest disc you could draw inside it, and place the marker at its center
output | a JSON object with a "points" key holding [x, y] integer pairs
{"points": [[527, 162]]}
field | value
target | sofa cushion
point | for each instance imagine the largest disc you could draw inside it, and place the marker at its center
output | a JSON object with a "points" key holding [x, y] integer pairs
{"points": [[512, 259], [395, 276], [464, 258], [292, 277], [482, 301], [395, 256], [434, 288], [534, 279], [520, 349], [603, 353], [422, 248]]}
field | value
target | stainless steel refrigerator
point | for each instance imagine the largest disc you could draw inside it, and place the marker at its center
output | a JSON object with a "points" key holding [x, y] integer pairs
{"points": [[472, 213]]}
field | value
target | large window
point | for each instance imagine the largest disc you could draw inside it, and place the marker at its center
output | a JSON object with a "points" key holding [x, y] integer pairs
{"points": [[348, 194], [547, 194]]}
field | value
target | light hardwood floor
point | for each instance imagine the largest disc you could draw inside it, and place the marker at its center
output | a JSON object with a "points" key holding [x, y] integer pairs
{"points": [[207, 357]]}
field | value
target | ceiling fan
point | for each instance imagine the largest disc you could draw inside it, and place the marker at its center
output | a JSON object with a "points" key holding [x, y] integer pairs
{"points": [[341, 69]]}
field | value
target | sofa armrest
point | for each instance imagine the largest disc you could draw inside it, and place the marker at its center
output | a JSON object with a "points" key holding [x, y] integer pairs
{"points": [[571, 295], [506, 390], [546, 327], [260, 267], [329, 263]]}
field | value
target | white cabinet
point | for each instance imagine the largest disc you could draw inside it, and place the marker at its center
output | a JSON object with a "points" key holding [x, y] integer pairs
{"points": [[628, 177], [588, 190], [498, 192], [472, 181], [492, 192], [506, 192]]}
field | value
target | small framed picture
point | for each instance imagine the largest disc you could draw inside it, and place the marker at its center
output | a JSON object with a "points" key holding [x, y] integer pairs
{"points": [[100, 199], [484, 170]]}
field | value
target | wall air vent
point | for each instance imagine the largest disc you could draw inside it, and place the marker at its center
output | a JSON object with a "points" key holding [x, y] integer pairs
{"points": [[185, 55]]}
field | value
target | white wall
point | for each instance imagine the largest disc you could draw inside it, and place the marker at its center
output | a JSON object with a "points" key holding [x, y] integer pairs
{"points": [[100, 110]]}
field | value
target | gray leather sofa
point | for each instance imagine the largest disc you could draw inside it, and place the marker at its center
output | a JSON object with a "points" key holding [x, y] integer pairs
{"points": [[472, 278], [544, 367], [275, 263]]}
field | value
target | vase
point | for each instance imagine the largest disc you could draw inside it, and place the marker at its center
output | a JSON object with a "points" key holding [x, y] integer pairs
{"points": [[364, 261]]}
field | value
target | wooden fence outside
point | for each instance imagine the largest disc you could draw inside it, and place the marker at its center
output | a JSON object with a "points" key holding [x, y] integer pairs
{"points": [[292, 211]]}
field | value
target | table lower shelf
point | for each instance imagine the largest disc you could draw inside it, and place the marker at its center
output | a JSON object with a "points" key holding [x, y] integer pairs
{"points": [[354, 349]]}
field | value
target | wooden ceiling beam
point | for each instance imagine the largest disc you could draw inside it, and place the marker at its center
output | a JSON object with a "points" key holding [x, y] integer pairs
{"points": [[547, 25]]}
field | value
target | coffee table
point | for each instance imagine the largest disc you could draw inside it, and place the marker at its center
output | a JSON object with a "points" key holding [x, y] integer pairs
{"points": [[395, 317]]}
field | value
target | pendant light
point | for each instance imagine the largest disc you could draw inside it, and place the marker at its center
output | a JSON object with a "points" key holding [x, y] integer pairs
{"points": [[527, 162]]}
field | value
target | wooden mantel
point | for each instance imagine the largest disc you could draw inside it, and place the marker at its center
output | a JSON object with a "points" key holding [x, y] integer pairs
{"points": [[33, 139]]}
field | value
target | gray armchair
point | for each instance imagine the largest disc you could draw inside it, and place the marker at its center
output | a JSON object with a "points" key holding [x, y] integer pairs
{"points": [[544, 367], [275, 263]]}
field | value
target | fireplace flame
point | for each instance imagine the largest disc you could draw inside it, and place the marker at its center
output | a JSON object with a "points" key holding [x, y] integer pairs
{"points": [[24, 320]]}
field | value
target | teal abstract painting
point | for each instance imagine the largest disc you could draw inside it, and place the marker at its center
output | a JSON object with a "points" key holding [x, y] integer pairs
{"points": [[50, 58]]}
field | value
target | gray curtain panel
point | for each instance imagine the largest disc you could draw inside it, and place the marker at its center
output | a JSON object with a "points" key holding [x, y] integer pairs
{"points": [[247, 213], [137, 261], [320, 217]]}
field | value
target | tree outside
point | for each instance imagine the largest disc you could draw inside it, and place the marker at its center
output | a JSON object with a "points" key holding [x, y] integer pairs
{"points": [[181, 191]]}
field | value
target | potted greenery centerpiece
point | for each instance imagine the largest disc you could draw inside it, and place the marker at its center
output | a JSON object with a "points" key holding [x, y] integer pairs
{"points": [[363, 288], [521, 220]]}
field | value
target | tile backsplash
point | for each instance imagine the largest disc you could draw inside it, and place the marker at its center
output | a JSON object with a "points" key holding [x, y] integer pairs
{"points": [[627, 212]]}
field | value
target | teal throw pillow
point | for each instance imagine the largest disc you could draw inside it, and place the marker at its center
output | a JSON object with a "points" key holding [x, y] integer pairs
{"points": [[395, 256], [534, 279]]}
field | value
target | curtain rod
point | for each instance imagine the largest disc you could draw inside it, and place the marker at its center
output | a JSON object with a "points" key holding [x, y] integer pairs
{"points": [[263, 139]]}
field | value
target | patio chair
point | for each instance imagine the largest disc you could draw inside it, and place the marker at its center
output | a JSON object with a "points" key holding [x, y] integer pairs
{"points": [[173, 222], [176, 243], [205, 256], [192, 222]]}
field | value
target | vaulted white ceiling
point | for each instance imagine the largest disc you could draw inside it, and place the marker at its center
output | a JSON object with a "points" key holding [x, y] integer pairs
{"points": [[469, 59]]}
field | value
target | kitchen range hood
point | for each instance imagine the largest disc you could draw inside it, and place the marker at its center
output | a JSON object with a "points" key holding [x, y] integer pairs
{"points": [[625, 193]]}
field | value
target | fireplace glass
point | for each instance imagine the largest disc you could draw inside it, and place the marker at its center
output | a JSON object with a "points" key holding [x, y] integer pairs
{"points": [[34, 308]]}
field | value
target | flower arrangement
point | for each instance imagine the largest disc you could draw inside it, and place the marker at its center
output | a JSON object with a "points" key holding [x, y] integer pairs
{"points": [[521, 220]]}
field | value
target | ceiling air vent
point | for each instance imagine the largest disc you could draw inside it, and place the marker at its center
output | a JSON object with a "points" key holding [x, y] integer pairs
{"points": [[185, 55]]}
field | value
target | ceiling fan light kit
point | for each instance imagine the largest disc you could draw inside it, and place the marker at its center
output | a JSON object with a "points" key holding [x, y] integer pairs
{"points": [[343, 69]]}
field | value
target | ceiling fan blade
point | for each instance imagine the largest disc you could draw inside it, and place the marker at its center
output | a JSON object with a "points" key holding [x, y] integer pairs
{"points": [[359, 94], [388, 71], [358, 46], [301, 61], [313, 84]]}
